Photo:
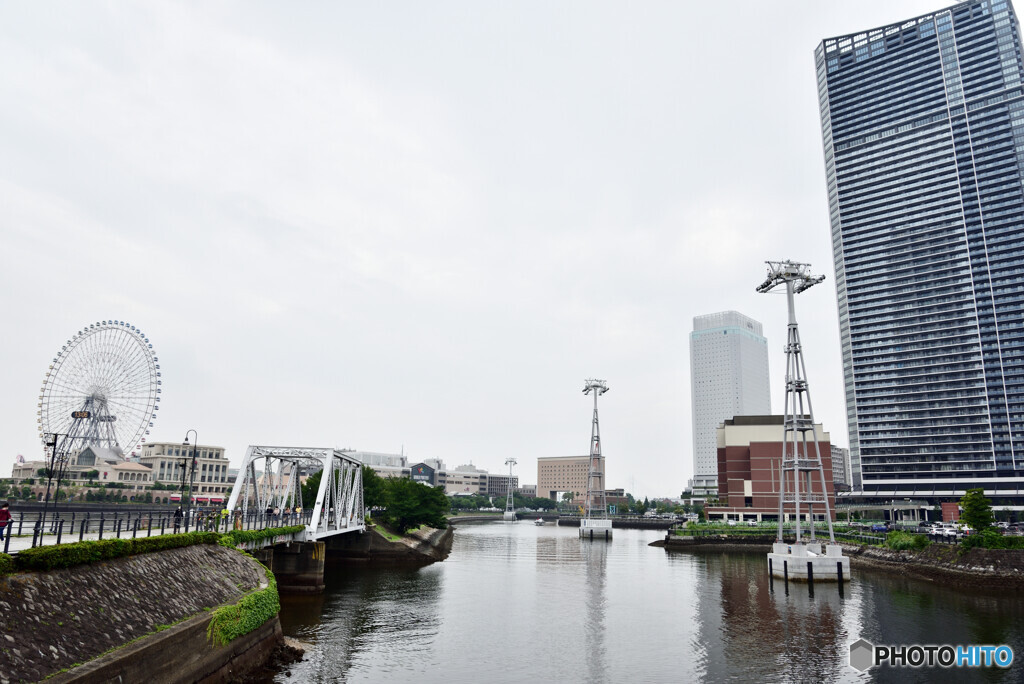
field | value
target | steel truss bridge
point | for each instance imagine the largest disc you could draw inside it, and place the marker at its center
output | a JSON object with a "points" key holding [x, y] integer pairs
{"points": [[270, 478]]}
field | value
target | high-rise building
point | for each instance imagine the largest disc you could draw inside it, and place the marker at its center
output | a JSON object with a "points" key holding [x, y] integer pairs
{"points": [[923, 127], [841, 470], [728, 377]]}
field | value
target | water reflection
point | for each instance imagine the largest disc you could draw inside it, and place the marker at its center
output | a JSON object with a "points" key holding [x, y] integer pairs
{"points": [[374, 621], [522, 602], [595, 556]]}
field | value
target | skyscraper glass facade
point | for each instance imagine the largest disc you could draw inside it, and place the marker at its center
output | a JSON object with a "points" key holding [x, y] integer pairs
{"points": [[923, 127]]}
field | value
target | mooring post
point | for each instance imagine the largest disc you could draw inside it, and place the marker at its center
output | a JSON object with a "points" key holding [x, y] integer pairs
{"points": [[60, 531], [81, 528], [810, 579]]}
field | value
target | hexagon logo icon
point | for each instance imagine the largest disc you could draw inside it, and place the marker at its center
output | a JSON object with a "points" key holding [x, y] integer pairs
{"points": [[862, 654]]}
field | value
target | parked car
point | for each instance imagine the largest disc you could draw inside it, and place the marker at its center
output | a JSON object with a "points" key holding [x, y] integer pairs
{"points": [[751, 523], [880, 527]]}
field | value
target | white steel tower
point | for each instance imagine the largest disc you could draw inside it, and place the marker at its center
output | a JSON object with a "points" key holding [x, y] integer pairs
{"points": [[798, 464], [510, 511], [595, 519]]}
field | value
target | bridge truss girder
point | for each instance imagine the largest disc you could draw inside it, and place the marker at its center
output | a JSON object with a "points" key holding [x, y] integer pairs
{"points": [[338, 507]]}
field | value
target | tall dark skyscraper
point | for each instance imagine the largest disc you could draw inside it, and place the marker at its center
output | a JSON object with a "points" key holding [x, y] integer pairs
{"points": [[923, 126]]}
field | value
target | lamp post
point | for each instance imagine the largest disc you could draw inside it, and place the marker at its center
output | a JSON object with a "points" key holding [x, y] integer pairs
{"points": [[192, 472]]}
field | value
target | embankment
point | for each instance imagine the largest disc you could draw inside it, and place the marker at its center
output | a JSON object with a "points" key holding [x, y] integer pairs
{"points": [[939, 563], [53, 620], [371, 549]]}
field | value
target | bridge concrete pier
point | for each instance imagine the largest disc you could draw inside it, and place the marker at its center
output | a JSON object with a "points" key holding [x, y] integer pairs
{"points": [[299, 567]]}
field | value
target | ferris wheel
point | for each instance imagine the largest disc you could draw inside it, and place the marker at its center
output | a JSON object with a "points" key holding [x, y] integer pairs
{"points": [[102, 389]]}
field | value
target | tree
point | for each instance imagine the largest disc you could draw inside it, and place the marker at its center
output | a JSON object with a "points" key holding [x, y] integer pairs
{"points": [[91, 475], [375, 489], [411, 504], [310, 488], [977, 510], [542, 503], [567, 496]]}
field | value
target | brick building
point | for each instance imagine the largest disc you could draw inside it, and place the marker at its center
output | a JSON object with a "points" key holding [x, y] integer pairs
{"points": [[749, 457]]}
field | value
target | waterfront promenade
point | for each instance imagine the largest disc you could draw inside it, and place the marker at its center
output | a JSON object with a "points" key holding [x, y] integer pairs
{"points": [[74, 527]]}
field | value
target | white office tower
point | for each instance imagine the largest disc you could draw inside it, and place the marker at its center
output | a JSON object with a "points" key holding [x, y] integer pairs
{"points": [[728, 377]]}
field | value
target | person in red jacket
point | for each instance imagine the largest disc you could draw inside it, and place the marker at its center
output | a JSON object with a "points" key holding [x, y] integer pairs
{"points": [[5, 520]]}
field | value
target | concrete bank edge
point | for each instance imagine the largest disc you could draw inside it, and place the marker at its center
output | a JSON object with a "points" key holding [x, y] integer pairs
{"points": [[182, 653]]}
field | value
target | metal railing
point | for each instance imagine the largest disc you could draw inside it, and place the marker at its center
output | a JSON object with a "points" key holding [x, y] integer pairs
{"points": [[66, 528]]}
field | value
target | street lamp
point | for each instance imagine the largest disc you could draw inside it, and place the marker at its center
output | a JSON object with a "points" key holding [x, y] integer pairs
{"points": [[192, 472]]}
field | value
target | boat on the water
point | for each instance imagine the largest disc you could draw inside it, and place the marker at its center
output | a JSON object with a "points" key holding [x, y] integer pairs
{"points": [[538, 521]]}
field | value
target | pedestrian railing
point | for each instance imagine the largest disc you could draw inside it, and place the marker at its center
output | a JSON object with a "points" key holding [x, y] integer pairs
{"points": [[63, 527]]}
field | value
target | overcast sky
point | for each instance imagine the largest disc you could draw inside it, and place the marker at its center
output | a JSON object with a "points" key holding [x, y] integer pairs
{"points": [[416, 225]]}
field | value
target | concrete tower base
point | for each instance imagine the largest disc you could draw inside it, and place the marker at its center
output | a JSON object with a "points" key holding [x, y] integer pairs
{"points": [[807, 563], [595, 529]]}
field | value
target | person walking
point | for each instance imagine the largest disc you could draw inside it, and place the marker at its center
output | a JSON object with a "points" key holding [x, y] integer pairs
{"points": [[5, 520], [177, 519]]}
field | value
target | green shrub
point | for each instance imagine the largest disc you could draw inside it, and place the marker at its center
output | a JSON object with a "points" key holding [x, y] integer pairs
{"points": [[230, 622], [904, 541], [991, 539], [236, 537], [6, 564], [79, 553]]}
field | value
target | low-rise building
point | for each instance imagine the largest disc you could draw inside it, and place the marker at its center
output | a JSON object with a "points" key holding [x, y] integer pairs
{"points": [[527, 491], [498, 485], [750, 450], [168, 459]]}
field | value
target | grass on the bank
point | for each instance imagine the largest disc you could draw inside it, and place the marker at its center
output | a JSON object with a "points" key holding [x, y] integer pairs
{"points": [[386, 533]]}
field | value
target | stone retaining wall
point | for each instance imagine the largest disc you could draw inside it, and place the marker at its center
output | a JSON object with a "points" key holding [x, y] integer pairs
{"points": [[979, 568], [52, 620]]}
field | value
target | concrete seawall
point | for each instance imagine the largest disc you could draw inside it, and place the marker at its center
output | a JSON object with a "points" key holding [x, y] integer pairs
{"points": [[420, 547], [939, 563], [53, 620]]}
